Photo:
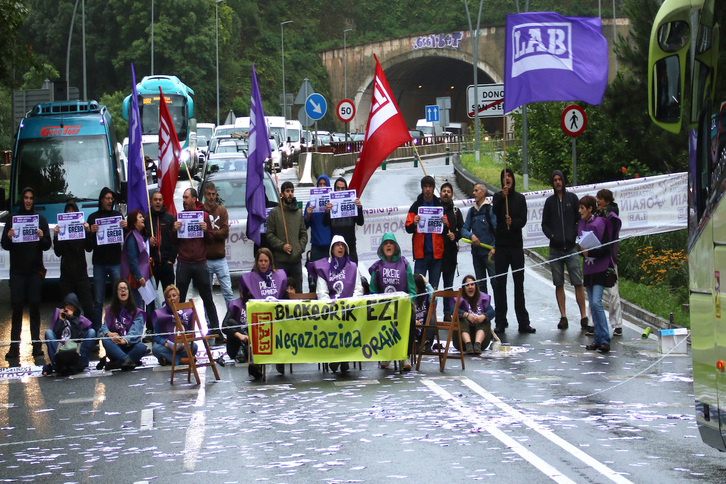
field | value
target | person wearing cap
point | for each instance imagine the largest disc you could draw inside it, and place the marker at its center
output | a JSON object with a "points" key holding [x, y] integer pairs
{"points": [[26, 274], [69, 324], [560, 218], [106, 258]]}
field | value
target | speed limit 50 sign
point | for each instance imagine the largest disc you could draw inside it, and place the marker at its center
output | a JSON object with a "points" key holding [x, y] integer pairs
{"points": [[346, 110]]}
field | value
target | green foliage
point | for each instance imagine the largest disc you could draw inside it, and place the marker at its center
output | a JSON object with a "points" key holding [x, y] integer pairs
{"points": [[489, 169], [37, 75], [114, 103]]}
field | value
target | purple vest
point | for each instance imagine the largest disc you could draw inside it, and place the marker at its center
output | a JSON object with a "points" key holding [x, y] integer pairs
{"points": [[343, 283], [123, 323], [390, 276], [164, 321], [479, 308], [237, 310], [257, 287], [596, 225], [143, 257]]}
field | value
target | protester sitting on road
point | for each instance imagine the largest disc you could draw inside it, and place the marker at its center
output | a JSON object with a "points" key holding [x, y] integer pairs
{"points": [[122, 329], [475, 317], [291, 285], [165, 326], [135, 267], [68, 328], [596, 262], [390, 274], [337, 277]]}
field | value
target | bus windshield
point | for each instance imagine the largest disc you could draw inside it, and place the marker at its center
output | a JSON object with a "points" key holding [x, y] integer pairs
{"points": [[64, 167], [149, 112]]}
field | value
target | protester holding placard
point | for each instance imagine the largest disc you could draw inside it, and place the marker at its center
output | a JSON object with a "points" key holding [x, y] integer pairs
{"points": [[314, 212], [72, 253], [191, 232], [287, 235], [26, 269], [345, 225], [104, 238], [135, 266], [428, 244]]}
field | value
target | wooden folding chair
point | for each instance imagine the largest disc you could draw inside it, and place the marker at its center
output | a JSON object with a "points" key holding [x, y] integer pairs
{"points": [[431, 323], [187, 338]]}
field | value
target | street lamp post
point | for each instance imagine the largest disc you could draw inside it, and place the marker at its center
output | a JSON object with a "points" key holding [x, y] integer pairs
{"points": [[68, 52], [345, 73], [282, 49], [152, 37], [216, 18]]}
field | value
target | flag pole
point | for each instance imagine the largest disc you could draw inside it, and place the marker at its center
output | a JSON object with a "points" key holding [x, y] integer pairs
{"points": [[282, 209], [146, 185]]}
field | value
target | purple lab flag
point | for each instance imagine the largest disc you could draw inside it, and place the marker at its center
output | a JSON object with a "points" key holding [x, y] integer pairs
{"points": [[259, 151], [549, 57], [136, 195]]}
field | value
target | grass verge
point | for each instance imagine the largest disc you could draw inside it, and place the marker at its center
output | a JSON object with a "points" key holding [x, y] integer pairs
{"points": [[489, 169]]}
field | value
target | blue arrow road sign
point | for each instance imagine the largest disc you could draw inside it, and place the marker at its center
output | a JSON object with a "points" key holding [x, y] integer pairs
{"points": [[432, 114], [315, 106]]}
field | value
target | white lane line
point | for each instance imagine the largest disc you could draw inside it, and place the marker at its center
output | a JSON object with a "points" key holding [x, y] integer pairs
{"points": [[529, 456], [548, 434], [147, 419]]}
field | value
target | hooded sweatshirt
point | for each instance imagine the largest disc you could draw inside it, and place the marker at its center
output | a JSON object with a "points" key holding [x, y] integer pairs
{"points": [[509, 236], [334, 281], [319, 233], [27, 257], [394, 275], [163, 222], [103, 255], [560, 217]]}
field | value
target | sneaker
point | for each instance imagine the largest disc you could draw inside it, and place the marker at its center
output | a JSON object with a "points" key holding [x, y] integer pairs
{"points": [[255, 371], [128, 364], [499, 329], [477, 348], [592, 347], [47, 370], [584, 322], [406, 364], [384, 364], [13, 352], [618, 332], [468, 348], [563, 324], [527, 329], [590, 331], [604, 348]]}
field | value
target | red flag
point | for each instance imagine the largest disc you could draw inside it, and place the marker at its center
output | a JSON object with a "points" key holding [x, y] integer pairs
{"points": [[169, 150], [386, 130]]}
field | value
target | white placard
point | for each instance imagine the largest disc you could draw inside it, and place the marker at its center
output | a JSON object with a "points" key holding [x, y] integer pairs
{"points": [[26, 228], [70, 226], [588, 240], [109, 230], [190, 228], [343, 204], [430, 222], [147, 292], [319, 198]]}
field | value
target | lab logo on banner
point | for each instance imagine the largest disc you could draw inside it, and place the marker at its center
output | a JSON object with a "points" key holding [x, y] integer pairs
{"points": [[541, 46]]}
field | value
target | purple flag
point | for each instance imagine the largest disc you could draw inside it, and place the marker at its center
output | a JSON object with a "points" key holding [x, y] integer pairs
{"points": [[549, 57], [259, 151], [136, 195]]}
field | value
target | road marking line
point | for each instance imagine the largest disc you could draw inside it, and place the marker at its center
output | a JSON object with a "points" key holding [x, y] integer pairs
{"points": [[96, 399], [356, 382], [147, 419], [548, 434], [547, 469]]}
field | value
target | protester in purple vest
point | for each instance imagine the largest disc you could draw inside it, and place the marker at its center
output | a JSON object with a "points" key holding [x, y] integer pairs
{"points": [[337, 276], [597, 259], [393, 273], [164, 327], [68, 324], [121, 331], [135, 256], [475, 317]]}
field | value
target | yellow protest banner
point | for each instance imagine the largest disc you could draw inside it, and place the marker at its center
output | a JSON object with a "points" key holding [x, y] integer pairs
{"points": [[374, 328]]}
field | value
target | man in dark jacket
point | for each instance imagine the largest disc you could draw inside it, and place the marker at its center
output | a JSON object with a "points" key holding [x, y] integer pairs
{"points": [[559, 224], [451, 244], [26, 272], [158, 228], [106, 258], [344, 226], [287, 235], [73, 266], [510, 208], [192, 263]]}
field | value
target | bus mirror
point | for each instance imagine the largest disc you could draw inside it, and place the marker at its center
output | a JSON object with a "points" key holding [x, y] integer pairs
{"points": [[667, 90], [673, 36]]}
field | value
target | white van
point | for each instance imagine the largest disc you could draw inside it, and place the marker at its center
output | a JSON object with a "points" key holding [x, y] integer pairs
{"points": [[294, 135], [428, 128]]}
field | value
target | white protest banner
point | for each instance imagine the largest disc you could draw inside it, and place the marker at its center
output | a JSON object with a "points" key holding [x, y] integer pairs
{"points": [[430, 220], [70, 226], [190, 228], [109, 230], [319, 198], [26, 228], [343, 204]]}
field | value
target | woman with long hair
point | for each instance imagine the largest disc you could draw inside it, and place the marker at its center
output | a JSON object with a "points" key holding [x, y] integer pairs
{"points": [[475, 317], [135, 266], [122, 328], [165, 325]]}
